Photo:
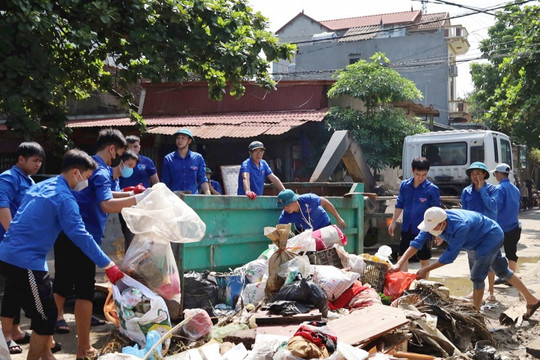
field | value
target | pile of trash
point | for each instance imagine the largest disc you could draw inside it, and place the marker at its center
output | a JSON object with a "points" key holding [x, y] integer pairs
{"points": [[304, 297]]}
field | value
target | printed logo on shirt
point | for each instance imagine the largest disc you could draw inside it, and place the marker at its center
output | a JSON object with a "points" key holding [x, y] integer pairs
{"points": [[141, 166], [422, 200], [193, 168]]}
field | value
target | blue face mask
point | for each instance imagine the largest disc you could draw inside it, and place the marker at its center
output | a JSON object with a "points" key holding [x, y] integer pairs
{"points": [[126, 171]]}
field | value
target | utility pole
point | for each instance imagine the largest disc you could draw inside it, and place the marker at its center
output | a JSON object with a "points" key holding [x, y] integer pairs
{"points": [[424, 6]]}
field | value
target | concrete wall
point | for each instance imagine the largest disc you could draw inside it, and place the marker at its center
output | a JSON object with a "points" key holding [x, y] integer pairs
{"points": [[420, 56]]}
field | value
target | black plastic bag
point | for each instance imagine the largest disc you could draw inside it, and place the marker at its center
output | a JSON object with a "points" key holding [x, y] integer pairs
{"points": [[305, 291], [199, 291]]}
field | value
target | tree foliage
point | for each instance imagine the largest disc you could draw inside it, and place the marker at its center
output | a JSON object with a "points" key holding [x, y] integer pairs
{"points": [[507, 89], [380, 129], [57, 50]]}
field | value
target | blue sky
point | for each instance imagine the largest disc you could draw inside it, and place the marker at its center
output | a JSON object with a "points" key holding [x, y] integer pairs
{"points": [[281, 11]]}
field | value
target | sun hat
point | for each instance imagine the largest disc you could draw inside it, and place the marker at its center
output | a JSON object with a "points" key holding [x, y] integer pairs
{"points": [[503, 168], [477, 165], [256, 145], [185, 132], [286, 197], [432, 217]]}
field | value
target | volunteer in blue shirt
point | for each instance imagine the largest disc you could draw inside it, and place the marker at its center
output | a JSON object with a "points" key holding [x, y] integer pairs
{"points": [[183, 169], [14, 183], [254, 171], [215, 187], [508, 197], [144, 172], [481, 197], [48, 208], [416, 195], [96, 200], [467, 230], [307, 211]]}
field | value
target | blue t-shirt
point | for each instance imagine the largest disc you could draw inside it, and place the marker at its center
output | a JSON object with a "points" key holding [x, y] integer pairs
{"points": [[183, 174], [14, 184], [415, 201], [141, 173], [465, 230], [311, 212], [483, 201], [216, 186], [257, 175], [99, 189], [48, 208], [508, 198]]}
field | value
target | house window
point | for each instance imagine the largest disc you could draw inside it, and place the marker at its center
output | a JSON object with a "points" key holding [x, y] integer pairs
{"points": [[353, 60]]}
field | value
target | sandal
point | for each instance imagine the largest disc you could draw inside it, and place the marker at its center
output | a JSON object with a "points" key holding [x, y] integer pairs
{"points": [[491, 298], [57, 347], [97, 321], [13, 347], [61, 327], [531, 309], [25, 339], [470, 296]]}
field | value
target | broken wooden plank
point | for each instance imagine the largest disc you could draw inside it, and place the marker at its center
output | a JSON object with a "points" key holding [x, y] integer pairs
{"points": [[377, 320], [263, 318]]}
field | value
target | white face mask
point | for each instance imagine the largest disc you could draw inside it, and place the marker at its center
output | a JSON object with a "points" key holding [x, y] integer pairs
{"points": [[81, 184], [436, 232]]}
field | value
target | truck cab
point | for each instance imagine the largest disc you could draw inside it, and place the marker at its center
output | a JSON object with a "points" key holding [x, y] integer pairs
{"points": [[451, 152]]}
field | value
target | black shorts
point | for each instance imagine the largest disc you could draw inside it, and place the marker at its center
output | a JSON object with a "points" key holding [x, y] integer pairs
{"points": [[31, 290], [511, 239], [74, 272], [406, 237]]}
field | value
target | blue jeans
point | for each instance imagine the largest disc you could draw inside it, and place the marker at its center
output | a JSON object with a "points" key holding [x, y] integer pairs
{"points": [[481, 265]]}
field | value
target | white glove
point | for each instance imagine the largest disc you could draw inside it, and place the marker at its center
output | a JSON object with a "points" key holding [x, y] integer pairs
{"points": [[139, 197]]}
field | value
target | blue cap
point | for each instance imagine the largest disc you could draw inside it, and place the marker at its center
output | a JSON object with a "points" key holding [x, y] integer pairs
{"points": [[185, 132], [477, 165], [286, 197]]}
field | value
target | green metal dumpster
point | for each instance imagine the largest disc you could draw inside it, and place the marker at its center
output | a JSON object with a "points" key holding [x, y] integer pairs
{"points": [[234, 228]]}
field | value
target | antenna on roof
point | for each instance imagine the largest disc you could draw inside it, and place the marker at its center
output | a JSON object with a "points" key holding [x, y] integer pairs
{"points": [[424, 6]]}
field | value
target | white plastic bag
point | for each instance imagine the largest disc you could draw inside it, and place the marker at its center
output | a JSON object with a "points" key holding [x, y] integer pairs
{"points": [[298, 265], [4, 351], [333, 280], [302, 242], [137, 319], [164, 214], [199, 326], [255, 270], [253, 293]]}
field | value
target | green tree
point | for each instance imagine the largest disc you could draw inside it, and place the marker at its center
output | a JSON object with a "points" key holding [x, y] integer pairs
{"points": [[380, 129], [57, 50], [507, 89]]}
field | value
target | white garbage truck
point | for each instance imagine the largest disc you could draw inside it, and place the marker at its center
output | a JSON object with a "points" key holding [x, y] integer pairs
{"points": [[451, 152]]}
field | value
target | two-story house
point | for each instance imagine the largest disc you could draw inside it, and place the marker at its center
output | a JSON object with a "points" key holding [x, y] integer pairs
{"points": [[421, 47]]}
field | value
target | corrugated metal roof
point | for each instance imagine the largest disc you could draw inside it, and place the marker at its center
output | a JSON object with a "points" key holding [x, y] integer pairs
{"points": [[192, 98], [361, 33], [370, 20], [216, 126]]}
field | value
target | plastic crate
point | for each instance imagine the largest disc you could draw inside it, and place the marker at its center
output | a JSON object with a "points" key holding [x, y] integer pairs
{"points": [[325, 257], [374, 274]]}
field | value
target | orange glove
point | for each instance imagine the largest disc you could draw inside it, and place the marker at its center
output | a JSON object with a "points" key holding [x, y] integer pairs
{"points": [[250, 194]]}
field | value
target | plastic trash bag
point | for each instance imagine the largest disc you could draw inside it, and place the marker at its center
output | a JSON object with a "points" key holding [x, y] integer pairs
{"points": [[255, 270], [200, 291], [302, 242], [118, 356], [199, 326], [306, 292], [298, 265], [152, 338], [253, 293], [397, 282], [164, 214], [333, 280], [150, 260], [329, 236], [140, 310], [4, 351]]}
